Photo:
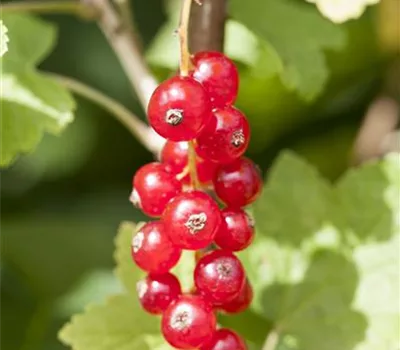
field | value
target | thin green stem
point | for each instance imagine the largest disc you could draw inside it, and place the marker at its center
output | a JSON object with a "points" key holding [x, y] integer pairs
{"points": [[68, 7], [138, 128], [271, 341]]}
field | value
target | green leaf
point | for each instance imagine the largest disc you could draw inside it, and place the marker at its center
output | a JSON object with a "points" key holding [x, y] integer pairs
{"points": [[31, 103], [32, 39], [3, 39], [299, 45], [377, 295], [321, 292], [119, 324], [342, 11], [127, 272], [369, 198], [296, 201]]}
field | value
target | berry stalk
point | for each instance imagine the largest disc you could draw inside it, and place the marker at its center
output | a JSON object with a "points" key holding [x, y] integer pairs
{"points": [[184, 64]]}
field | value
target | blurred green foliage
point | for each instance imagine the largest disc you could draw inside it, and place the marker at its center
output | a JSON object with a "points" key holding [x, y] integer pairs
{"points": [[61, 205]]}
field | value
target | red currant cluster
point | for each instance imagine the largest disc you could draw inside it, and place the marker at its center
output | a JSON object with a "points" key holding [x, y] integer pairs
{"points": [[196, 111]]}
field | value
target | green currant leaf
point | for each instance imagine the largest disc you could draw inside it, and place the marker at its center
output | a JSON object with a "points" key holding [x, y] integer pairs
{"points": [[126, 271], [3, 39], [322, 292], [369, 198], [298, 34], [118, 324], [296, 200], [31, 103], [377, 295]]}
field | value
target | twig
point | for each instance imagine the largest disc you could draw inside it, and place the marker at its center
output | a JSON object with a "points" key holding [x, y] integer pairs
{"points": [[125, 12], [138, 128], [126, 50], [207, 26], [271, 341], [192, 164], [68, 7], [380, 121]]}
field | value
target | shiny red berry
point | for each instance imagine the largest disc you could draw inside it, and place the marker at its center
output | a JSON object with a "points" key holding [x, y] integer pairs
{"points": [[152, 250], [238, 183], [156, 292], [225, 137], [179, 108], [174, 156], [188, 322], [153, 188], [191, 220], [236, 231], [219, 76], [219, 276], [241, 302], [225, 339]]}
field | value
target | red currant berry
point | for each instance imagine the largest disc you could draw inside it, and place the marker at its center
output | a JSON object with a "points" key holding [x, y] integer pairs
{"points": [[153, 188], [241, 302], [206, 170], [191, 220], [225, 339], [219, 276], [236, 231], [219, 76], [157, 291], [174, 156], [225, 137], [188, 322], [179, 108], [238, 183], [152, 250]]}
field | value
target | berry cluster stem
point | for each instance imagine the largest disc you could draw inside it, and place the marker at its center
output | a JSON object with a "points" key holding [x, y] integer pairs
{"points": [[184, 67], [184, 64], [192, 166]]}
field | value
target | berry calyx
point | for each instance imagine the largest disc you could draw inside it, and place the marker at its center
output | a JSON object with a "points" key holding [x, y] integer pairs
{"points": [[151, 249], [219, 76], [156, 292], [219, 276], [191, 220], [239, 183], [225, 137], [153, 188], [188, 322], [179, 108], [225, 339], [241, 302], [236, 231]]}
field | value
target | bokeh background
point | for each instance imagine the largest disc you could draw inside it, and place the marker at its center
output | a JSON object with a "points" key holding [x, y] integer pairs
{"points": [[62, 204]]}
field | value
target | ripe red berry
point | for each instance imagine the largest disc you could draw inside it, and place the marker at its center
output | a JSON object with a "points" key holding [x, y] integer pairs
{"points": [[236, 231], [153, 188], [156, 292], [225, 137], [238, 183], [219, 76], [179, 108], [219, 276], [225, 339], [191, 220], [188, 322], [152, 250], [241, 302], [174, 156], [206, 170]]}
